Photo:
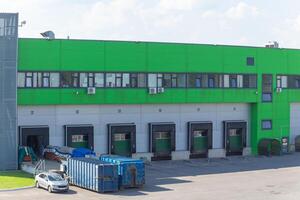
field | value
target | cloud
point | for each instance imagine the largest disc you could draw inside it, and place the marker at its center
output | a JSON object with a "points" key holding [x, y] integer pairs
{"points": [[242, 22], [241, 10], [178, 4]]}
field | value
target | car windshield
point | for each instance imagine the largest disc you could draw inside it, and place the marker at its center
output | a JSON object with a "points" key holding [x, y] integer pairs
{"points": [[55, 178]]}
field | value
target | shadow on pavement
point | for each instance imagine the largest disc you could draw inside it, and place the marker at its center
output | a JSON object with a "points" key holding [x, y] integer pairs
{"points": [[159, 174]]}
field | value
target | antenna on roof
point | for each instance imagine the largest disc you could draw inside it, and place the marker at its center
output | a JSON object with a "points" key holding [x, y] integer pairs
{"points": [[49, 35]]}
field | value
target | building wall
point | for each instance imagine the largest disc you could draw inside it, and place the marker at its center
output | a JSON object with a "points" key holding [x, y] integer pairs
{"points": [[101, 115], [118, 56], [8, 90]]}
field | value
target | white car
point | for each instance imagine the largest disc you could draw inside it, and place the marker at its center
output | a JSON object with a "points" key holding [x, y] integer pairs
{"points": [[52, 182]]}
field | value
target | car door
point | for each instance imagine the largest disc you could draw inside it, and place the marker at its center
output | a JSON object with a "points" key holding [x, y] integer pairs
{"points": [[42, 180]]}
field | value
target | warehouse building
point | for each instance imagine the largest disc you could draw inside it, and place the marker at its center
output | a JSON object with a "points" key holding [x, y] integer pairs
{"points": [[155, 100]]}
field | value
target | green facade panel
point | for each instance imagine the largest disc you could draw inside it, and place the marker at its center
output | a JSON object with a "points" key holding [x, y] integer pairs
{"points": [[118, 56]]}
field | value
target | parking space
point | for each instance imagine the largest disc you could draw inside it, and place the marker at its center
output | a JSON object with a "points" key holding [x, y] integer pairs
{"points": [[232, 178]]}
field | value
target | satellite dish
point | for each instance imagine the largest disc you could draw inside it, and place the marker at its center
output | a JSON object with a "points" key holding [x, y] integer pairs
{"points": [[49, 35]]}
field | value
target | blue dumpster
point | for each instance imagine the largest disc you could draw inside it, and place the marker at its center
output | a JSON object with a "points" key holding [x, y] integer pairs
{"points": [[93, 174], [131, 171]]}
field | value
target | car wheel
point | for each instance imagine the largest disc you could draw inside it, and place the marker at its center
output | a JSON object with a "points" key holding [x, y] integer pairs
{"points": [[49, 189], [37, 185]]}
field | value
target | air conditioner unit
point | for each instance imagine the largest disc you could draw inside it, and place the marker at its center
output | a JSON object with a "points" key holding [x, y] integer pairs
{"points": [[160, 90], [91, 90], [278, 90], [152, 90]]}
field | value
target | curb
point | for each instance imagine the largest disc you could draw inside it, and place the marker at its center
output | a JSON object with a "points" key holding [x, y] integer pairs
{"points": [[16, 189]]}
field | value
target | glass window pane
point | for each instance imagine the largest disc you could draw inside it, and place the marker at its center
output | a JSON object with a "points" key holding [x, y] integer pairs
{"points": [[54, 79], [141, 80], [35, 79], [75, 79], [252, 81], [181, 80], [39, 79], [159, 80], [174, 80], [226, 81], [239, 81], [126, 81], [99, 80], [21, 79], [66, 79], [110, 80], [267, 83], [204, 80], [133, 80], [266, 124], [267, 97], [191, 80], [284, 81], [152, 80], [167, 81], [83, 80]]}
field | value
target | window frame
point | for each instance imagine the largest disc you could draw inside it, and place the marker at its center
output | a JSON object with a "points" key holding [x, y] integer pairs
{"points": [[141, 78], [264, 121]]}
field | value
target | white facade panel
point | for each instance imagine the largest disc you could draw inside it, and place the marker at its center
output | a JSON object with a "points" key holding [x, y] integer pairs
{"points": [[294, 121], [101, 115]]}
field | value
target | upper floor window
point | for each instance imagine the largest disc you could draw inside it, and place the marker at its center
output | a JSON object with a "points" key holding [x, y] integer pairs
{"points": [[38, 79], [250, 61], [134, 80], [267, 83], [174, 80], [293, 81], [69, 79]]}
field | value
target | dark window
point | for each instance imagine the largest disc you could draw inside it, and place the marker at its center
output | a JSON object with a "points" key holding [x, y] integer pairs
{"points": [[249, 81], [250, 61], [293, 81], [66, 79], [134, 80], [266, 124], [267, 88], [141, 80], [167, 80], [232, 80], [170, 80], [181, 80]]}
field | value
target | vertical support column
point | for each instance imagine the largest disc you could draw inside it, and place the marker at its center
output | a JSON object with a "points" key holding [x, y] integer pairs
{"points": [[8, 90]]}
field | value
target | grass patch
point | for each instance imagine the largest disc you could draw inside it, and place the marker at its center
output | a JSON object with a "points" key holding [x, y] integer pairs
{"points": [[15, 179]]}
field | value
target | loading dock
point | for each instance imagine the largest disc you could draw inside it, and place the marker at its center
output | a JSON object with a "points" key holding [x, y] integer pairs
{"points": [[235, 137], [77, 136], [36, 137], [161, 140], [199, 138], [121, 139]]}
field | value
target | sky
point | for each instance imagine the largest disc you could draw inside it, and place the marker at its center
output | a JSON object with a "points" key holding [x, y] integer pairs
{"points": [[232, 22]]}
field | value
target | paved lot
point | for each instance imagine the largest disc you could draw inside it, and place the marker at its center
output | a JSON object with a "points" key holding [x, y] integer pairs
{"points": [[227, 179]]}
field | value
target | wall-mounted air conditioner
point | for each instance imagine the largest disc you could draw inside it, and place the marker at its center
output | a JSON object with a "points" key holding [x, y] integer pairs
{"points": [[160, 90], [279, 89], [152, 90], [91, 90]]}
